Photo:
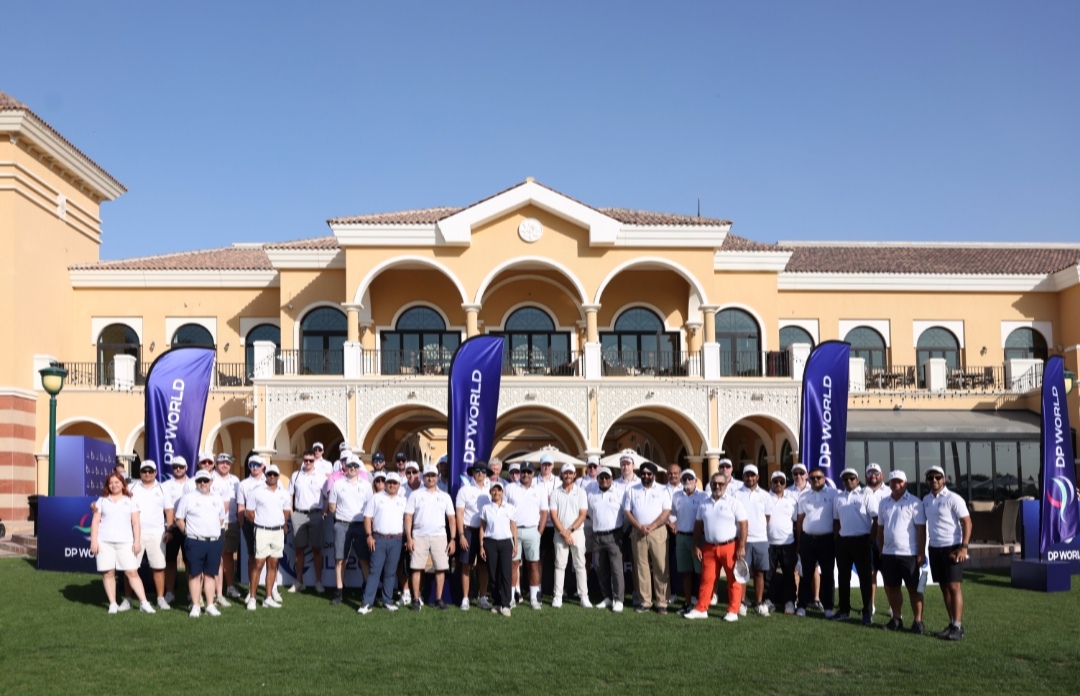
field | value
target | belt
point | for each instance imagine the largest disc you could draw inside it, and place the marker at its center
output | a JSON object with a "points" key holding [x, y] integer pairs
{"points": [[531, 526], [200, 538], [308, 512], [270, 529], [721, 543], [607, 531], [818, 536], [685, 533], [385, 536]]}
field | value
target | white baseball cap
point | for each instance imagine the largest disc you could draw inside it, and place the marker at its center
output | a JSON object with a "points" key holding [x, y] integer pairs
{"points": [[345, 454], [206, 456], [178, 460], [798, 466], [431, 469], [515, 467], [256, 460], [849, 470], [353, 459], [935, 468], [593, 459], [203, 476], [603, 470], [897, 475], [626, 456], [318, 445], [688, 474], [547, 459], [749, 469], [725, 462], [393, 476], [779, 475], [568, 467], [873, 466], [412, 465], [380, 474], [148, 464], [273, 469], [497, 483]]}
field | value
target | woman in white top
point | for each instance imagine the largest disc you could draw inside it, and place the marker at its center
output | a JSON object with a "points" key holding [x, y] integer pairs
{"points": [[498, 545], [115, 540]]}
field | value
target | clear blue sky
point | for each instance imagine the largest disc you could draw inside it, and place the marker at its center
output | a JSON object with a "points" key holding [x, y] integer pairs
{"points": [[232, 121]]}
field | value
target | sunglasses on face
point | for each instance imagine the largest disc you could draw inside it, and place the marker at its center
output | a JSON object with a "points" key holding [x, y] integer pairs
{"points": [[352, 466], [851, 478], [716, 484], [177, 467], [593, 466], [202, 481], [605, 476], [817, 478], [798, 473], [146, 471], [309, 461], [271, 474], [934, 477]]}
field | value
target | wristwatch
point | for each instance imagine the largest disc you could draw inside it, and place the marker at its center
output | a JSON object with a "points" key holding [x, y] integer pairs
{"points": [[963, 546]]}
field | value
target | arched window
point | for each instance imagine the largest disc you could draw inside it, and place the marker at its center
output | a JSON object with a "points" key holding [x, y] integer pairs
{"points": [[763, 464], [867, 344], [937, 342], [640, 344], [794, 334], [115, 339], [323, 332], [418, 343], [262, 332], [193, 335], [740, 343], [533, 346], [1025, 343], [787, 459]]}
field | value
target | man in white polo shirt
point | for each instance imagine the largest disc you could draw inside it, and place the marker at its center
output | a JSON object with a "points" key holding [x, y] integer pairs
{"points": [[346, 502], [781, 514], [307, 519], [900, 526], [948, 525], [154, 516], [429, 517], [569, 506], [647, 508], [226, 485], [174, 538], [470, 501], [270, 508], [684, 506], [815, 531], [384, 524], [878, 491], [720, 540], [756, 501], [854, 513], [245, 491], [531, 502], [606, 511]]}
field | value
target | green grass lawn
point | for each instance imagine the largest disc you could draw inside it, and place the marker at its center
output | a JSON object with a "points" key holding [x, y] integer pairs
{"points": [[55, 637]]}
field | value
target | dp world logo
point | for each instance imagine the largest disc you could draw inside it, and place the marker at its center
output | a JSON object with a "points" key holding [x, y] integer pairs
{"points": [[83, 526]]}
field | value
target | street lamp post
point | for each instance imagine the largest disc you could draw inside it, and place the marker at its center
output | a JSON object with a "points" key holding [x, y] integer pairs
{"points": [[52, 379]]}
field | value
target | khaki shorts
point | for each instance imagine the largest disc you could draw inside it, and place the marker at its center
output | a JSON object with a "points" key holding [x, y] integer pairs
{"points": [[231, 533], [269, 543], [155, 553], [116, 556], [433, 547]]}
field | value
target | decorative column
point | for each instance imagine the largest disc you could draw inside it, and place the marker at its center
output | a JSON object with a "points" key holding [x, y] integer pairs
{"points": [[710, 349], [593, 358], [353, 312], [472, 324]]}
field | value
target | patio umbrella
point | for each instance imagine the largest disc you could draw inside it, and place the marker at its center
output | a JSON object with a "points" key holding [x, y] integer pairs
{"points": [[612, 460], [558, 455]]}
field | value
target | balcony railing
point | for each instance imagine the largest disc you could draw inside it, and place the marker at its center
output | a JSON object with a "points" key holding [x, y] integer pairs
{"points": [[631, 363], [433, 360], [84, 374], [893, 378], [750, 363], [557, 363], [310, 362], [232, 375], [985, 378]]}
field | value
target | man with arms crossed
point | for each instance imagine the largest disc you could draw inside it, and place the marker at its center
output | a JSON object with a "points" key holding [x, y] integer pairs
{"points": [[531, 502]]}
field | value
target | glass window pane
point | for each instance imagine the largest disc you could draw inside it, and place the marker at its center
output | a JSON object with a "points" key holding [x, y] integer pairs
{"points": [[956, 467], [639, 319], [192, 335], [1005, 480], [856, 454], [982, 471], [1029, 470], [879, 452], [929, 455], [903, 453], [794, 334]]}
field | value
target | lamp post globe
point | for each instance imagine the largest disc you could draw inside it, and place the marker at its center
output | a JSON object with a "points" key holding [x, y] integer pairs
{"points": [[52, 381]]}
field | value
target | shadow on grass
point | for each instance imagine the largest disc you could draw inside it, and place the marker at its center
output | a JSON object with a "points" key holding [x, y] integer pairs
{"points": [[993, 577], [90, 593]]}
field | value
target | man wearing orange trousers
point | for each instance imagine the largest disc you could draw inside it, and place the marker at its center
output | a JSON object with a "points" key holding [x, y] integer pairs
{"points": [[719, 540]]}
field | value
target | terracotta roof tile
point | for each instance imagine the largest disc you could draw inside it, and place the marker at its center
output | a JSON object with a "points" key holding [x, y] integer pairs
{"points": [[645, 217], [423, 216], [916, 258], [330, 242], [10, 103], [244, 258], [733, 242]]}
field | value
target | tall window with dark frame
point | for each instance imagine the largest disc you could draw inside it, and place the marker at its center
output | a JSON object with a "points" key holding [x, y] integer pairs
{"points": [[1026, 343], [114, 339], [866, 343], [192, 335], [740, 343], [794, 334], [639, 344], [262, 332], [323, 332], [936, 342], [533, 346], [419, 343]]}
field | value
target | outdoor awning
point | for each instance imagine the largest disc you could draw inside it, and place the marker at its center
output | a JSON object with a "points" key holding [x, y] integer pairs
{"points": [[936, 425]]}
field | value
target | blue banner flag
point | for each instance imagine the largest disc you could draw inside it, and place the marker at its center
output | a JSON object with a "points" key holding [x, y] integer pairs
{"points": [[475, 376], [823, 426], [176, 390], [1060, 520]]}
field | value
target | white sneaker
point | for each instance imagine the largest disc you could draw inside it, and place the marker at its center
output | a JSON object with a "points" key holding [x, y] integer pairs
{"points": [[319, 587], [124, 606], [406, 598], [364, 609], [617, 607], [715, 601], [272, 603], [606, 604], [829, 613], [162, 604], [731, 617], [506, 611], [762, 610], [250, 604], [535, 603], [483, 603], [585, 603], [296, 587], [213, 611], [770, 605], [392, 607], [789, 608], [232, 592], [695, 614], [465, 604], [223, 603], [276, 596], [195, 612], [169, 597], [800, 612], [556, 602], [147, 607], [742, 610], [113, 609]]}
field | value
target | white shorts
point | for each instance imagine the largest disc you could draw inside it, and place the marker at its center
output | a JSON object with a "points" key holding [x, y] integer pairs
{"points": [[155, 554], [115, 555], [269, 543]]}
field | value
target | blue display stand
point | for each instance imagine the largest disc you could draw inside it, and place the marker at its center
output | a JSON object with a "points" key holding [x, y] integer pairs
{"points": [[64, 534], [1041, 576], [1052, 573], [82, 465]]}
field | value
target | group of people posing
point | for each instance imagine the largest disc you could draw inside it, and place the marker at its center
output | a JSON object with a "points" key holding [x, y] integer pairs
{"points": [[400, 525]]}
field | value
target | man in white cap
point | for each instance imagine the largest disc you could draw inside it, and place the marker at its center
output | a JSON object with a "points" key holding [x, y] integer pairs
{"points": [[154, 518], [205, 463], [411, 483], [225, 485], [815, 532], [531, 502], [756, 501], [513, 473], [627, 479], [684, 506], [854, 515], [647, 508], [245, 499], [471, 499], [720, 540], [321, 464], [800, 483], [307, 518], [174, 538], [878, 491], [569, 507], [780, 512], [200, 515], [606, 511], [269, 508], [725, 465], [384, 524], [900, 526], [548, 480], [346, 502], [429, 519], [592, 468], [948, 525]]}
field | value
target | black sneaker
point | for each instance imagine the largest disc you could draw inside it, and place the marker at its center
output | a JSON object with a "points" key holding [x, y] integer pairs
{"points": [[641, 609], [917, 628], [339, 596], [957, 633], [842, 616], [687, 608], [441, 605], [414, 605], [894, 625], [944, 633]]}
